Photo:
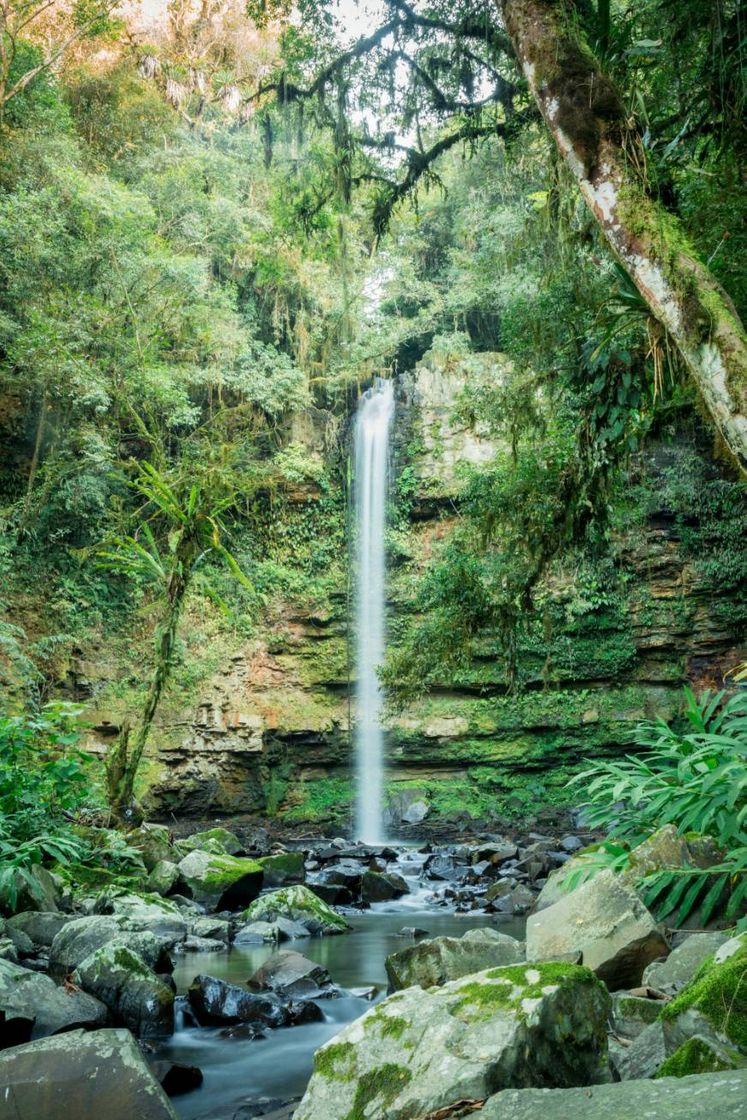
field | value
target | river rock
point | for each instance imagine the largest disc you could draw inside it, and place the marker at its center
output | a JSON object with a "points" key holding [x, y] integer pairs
{"points": [[122, 980], [283, 869], [29, 995], [215, 1002], [256, 933], [293, 976], [671, 975], [145, 913], [39, 925], [220, 881], [664, 849], [218, 841], [201, 945], [711, 1096], [218, 929], [299, 904], [82, 937], [420, 1051], [440, 959], [378, 886], [605, 921], [82, 1076]]}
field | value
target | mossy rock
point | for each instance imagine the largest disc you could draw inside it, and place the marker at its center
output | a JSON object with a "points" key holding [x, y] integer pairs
{"points": [[299, 904], [421, 1050], [153, 842], [718, 992], [283, 869], [220, 881], [219, 841], [700, 1055]]}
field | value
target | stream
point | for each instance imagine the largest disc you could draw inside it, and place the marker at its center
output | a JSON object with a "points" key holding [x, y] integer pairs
{"points": [[238, 1070]]}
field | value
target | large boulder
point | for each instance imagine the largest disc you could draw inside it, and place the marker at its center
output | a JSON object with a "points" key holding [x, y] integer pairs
{"points": [[299, 904], [714, 1003], [382, 886], [221, 882], [81, 937], [153, 842], [216, 1002], [440, 959], [81, 1076], [421, 1051], [283, 869], [135, 995], [293, 976], [163, 878], [48, 1009], [607, 923], [712, 1096], [673, 974], [145, 913], [41, 926]]}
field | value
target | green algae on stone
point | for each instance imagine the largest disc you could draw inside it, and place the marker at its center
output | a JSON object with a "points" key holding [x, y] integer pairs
{"points": [[384, 1082], [299, 904], [518, 987], [719, 993], [698, 1055], [335, 1061]]}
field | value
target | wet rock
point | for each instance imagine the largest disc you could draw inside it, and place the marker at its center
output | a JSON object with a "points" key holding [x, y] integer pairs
{"points": [[444, 868], [176, 1079], [412, 931], [346, 874], [283, 869], [332, 894], [423, 1050], [134, 994], [299, 904], [145, 913], [713, 1096], [604, 920], [249, 1032], [382, 887], [215, 1002], [217, 929], [31, 996], [221, 881], [440, 959], [671, 975], [256, 933], [201, 945], [81, 1075], [40, 926], [293, 976], [496, 852]]}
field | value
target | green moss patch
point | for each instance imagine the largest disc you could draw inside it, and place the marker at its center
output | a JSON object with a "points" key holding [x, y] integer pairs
{"points": [[718, 992], [695, 1056]]}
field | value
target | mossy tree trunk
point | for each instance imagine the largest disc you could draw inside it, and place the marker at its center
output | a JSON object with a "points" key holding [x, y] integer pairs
{"points": [[123, 758], [585, 116]]}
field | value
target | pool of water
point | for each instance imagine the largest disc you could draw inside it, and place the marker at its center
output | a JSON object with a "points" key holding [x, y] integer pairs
{"points": [[238, 1070]]}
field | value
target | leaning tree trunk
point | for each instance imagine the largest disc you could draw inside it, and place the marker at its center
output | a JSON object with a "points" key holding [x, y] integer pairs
{"points": [[585, 115]]}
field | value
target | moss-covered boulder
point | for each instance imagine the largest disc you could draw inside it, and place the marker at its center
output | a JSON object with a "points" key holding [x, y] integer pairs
{"points": [[42, 926], [220, 881], [82, 937], [717, 995], [607, 923], [283, 869], [420, 1051], [700, 1055], [440, 959], [382, 886], [299, 904], [136, 997], [145, 913], [81, 1076], [163, 878], [632, 1014], [218, 840]]}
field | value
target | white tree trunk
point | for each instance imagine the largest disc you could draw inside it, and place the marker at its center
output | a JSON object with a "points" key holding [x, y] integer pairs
{"points": [[581, 109]]}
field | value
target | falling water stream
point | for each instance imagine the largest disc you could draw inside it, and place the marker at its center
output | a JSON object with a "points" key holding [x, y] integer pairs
{"points": [[371, 473]]}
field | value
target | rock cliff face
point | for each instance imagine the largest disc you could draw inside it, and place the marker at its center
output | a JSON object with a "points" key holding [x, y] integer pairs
{"points": [[267, 727]]}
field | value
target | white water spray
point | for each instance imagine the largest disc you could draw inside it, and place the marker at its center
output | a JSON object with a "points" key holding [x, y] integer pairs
{"points": [[371, 473]]}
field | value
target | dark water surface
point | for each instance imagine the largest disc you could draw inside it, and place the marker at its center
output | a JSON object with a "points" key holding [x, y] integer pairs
{"points": [[239, 1070]]}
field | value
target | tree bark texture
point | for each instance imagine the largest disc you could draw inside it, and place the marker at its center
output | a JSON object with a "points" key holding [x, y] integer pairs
{"points": [[586, 118]]}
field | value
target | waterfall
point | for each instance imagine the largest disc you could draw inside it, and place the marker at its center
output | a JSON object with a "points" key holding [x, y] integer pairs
{"points": [[371, 474]]}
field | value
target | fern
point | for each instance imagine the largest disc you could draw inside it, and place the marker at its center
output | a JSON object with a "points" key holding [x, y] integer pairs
{"points": [[694, 779]]}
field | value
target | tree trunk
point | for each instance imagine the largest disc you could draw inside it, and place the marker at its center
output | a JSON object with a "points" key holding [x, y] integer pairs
{"points": [[585, 116]]}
